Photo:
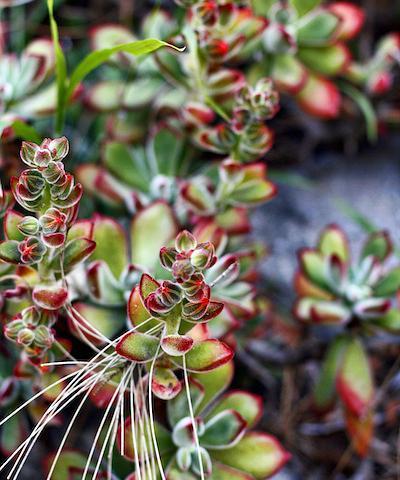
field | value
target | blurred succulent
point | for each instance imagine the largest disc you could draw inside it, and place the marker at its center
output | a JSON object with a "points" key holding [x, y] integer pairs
{"points": [[24, 85], [376, 75], [305, 47], [245, 138], [355, 300], [332, 291], [223, 444]]}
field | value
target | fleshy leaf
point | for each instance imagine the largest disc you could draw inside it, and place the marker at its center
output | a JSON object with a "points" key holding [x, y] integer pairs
{"points": [[77, 251], [213, 383], [178, 408], [111, 244], [165, 384], [223, 430], [49, 297], [354, 380], [318, 28], [325, 389], [360, 431], [10, 222], [320, 97], [9, 251], [176, 345], [258, 454], [138, 347], [145, 244], [378, 245], [389, 284], [333, 241], [107, 321], [207, 355], [330, 60], [248, 405]]}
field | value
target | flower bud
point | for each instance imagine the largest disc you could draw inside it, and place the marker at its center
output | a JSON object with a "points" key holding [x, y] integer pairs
{"points": [[54, 172], [182, 269], [31, 250], [185, 241], [184, 458], [25, 337], [42, 157], [12, 329], [53, 221], [168, 257], [33, 182], [44, 337], [29, 225], [203, 256]]}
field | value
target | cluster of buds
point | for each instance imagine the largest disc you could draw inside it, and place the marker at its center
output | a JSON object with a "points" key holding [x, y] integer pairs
{"points": [[36, 249], [332, 291], [224, 29], [309, 48], [169, 310], [246, 138], [255, 104], [45, 184], [187, 262], [46, 190], [31, 329]]}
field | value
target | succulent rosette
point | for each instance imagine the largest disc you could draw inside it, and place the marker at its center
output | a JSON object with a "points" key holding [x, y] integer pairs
{"points": [[306, 47], [355, 300], [25, 85], [224, 444]]}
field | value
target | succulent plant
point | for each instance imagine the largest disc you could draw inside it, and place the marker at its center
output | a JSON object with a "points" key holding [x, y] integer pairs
{"points": [[355, 300], [25, 85], [224, 444], [42, 247]]}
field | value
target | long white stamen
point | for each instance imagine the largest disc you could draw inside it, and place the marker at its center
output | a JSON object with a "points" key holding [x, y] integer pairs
{"points": [[133, 429], [72, 421], [51, 412], [153, 432], [121, 387], [99, 430], [196, 437]]}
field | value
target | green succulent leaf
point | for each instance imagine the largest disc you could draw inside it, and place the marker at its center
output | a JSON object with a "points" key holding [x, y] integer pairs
{"points": [[304, 6], [206, 355], [77, 251], [247, 405], [325, 388], [258, 454], [354, 380], [317, 29], [138, 347], [333, 241], [390, 321], [214, 383], [145, 245], [9, 251], [10, 225], [223, 429], [127, 164], [378, 245], [111, 244], [178, 407], [389, 284]]}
